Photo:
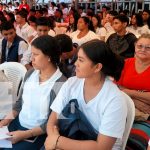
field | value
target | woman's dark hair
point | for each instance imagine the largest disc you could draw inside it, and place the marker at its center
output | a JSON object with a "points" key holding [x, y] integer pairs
{"points": [[139, 20], [12, 17], [64, 42], [73, 26], [53, 4], [98, 52], [89, 22], [98, 20], [48, 46], [64, 5], [51, 20]]}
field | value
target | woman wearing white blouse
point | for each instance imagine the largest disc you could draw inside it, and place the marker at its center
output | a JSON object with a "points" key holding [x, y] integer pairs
{"points": [[99, 29], [85, 31], [137, 26], [31, 110]]}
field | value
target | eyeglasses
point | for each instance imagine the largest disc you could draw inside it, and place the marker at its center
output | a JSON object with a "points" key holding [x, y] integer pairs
{"points": [[140, 46]]}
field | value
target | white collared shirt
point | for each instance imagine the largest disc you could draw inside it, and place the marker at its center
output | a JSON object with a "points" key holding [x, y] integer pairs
{"points": [[36, 98], [25, 31], [26, 58]]}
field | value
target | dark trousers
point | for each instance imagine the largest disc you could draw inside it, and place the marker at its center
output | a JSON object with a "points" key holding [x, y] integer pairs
{"points": [[25, 145]]}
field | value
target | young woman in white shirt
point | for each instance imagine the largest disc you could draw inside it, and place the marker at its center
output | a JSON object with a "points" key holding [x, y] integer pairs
{"points": [[99, 29], [85, 31], [137, 26], [98, 97], [31, 110]]}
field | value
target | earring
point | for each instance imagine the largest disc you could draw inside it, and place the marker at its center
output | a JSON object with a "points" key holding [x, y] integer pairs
{"points": [[49, 60]]}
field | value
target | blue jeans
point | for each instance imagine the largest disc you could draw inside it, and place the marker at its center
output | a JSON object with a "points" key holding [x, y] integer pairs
{"points": [[25, 145]]}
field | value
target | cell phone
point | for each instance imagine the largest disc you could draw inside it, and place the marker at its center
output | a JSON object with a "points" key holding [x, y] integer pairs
{"points": [[31, 140]]}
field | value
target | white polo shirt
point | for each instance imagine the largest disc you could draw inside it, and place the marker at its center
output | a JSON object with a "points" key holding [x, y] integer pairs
{"points": [[36, 97], [25, 31]]}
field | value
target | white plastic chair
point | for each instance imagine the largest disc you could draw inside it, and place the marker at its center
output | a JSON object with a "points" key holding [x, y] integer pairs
{"points": [[130, 119], [15, 73]]}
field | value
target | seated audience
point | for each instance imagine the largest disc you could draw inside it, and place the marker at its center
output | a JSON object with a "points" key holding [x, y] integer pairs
{"points": [[24, 5], [135, 77], [32, 109], [145, 15], [42, 28], [97, 97], [68, 55], [121, 42], [12, 46], [137, 26], [134, 81], [99, 29], [23, 29], [85, 31], [73, 19]]}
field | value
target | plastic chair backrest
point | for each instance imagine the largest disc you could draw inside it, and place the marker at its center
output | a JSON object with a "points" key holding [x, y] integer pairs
{"points": [[15, 73], [130, 119]]}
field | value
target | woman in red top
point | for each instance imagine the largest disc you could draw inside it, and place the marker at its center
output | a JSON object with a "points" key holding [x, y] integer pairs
{"points": [[24, 5], [135, 78]]}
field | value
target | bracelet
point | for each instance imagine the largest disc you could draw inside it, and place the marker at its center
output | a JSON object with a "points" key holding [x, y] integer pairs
{"points": [[57, 141]]}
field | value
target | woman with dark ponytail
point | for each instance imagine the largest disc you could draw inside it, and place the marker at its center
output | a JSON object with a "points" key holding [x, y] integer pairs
{"points": [[99, 99], [41, 85]]}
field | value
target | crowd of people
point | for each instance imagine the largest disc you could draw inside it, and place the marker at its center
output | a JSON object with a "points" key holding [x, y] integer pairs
{"points": [[98, 59]]}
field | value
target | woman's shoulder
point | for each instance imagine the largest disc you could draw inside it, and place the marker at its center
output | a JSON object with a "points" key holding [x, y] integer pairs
{"points": [[32, 73], [129, 61], [75, 33], [92, 35], [111, 90], [74, 80]]}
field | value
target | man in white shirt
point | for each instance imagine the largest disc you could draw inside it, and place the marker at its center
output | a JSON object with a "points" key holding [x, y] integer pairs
{"points": [[12, 46], [23, 29], [42, 29], [11, 7]]}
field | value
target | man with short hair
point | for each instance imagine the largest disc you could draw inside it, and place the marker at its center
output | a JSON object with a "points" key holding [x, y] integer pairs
{"points": [[23, 29], [145, 15], [42, 29], [12, 46], [121, 42]]}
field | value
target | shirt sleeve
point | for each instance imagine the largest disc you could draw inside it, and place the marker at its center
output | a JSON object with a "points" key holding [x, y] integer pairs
{"points": [[102, 31], [114, 118], [30, 31], [23, 46], [62, 99], [26, 59]]}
